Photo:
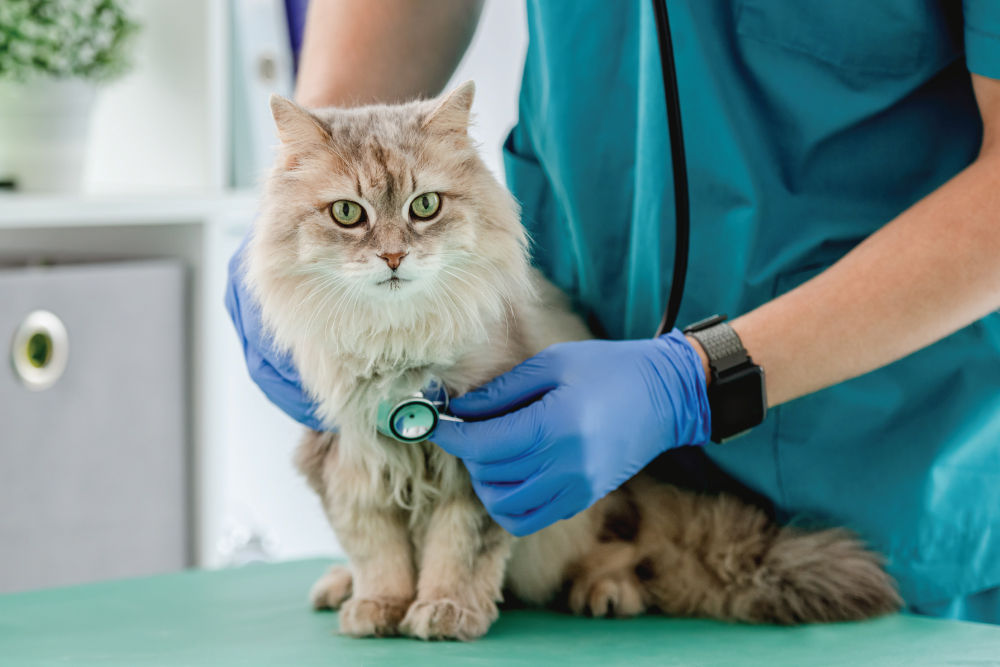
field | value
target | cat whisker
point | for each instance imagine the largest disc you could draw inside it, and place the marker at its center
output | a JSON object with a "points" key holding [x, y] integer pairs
{"points": [[501, 294], [472, 289], [325, 287], [464, 309]]}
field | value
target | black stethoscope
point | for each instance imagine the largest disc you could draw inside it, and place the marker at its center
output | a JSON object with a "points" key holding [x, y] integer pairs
{"points": [[414, 418], [682, 207]]}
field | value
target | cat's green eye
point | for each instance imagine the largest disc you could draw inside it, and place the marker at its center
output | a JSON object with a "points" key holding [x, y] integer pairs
{"points": [[346, 212], [426, 205]]}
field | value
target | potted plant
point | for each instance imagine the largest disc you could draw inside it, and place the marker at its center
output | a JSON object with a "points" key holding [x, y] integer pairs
{"points": [[53, 54]]}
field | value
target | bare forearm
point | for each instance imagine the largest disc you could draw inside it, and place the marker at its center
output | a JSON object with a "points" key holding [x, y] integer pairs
{"points": [[931, 271], [365, 51]]}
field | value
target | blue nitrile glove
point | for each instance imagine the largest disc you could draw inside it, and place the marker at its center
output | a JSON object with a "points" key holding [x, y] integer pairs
{"points": [[605, 409], [274, 373]]}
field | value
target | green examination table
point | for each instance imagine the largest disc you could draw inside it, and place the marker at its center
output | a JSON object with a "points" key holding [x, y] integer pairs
{"points": [[258, 615]]}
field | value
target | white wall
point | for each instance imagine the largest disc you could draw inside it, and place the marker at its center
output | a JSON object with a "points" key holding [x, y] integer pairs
{"points": [[156, 130], [151, 130], [494, 62], [251, 487]]}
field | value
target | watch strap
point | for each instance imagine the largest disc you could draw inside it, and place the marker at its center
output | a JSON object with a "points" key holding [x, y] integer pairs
{"points": [[724, 349], [736, 394]]}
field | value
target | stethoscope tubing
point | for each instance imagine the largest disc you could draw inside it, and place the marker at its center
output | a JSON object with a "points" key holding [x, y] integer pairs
{"points": [[682, 205]]}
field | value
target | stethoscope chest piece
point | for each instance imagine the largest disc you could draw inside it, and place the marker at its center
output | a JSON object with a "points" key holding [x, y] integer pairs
{"points": [[411, 420], [415, 417]]}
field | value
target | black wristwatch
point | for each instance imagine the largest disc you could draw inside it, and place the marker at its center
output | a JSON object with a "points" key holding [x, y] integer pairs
{"points": [[736, 393]]}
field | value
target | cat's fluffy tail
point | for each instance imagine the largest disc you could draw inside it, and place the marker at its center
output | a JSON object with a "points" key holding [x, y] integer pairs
{"points": [[816, 577]]}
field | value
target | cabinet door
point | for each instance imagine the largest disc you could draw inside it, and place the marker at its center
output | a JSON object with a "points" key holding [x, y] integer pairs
{"points": [[93, 468]]}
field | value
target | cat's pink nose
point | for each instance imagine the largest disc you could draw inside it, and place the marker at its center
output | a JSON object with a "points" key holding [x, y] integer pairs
{"points": [[393, 259]]}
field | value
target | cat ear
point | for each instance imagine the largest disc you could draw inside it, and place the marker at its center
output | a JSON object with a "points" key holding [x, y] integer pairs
{"points": [[295, 124], [452, 112]]}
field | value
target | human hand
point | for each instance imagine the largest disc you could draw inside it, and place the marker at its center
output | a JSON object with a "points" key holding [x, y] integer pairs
{"points": [[273, 372], [604, 410]]}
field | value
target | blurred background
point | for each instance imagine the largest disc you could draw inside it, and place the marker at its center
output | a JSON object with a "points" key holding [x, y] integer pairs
{"points": [[133, 136]]}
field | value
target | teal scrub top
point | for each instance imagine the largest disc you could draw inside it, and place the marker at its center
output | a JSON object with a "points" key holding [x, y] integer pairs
{"points": [[807, 125]]}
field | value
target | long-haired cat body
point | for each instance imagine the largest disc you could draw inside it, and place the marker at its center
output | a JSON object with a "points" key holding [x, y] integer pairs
{"points": [[386, 254]]}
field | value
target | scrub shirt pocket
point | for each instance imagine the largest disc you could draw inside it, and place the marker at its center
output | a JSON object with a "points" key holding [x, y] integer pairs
{"points": [[528, 183], [886, 37]]}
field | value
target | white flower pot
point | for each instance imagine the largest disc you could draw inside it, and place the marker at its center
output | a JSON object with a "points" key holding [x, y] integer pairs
{"points": [[43, 133]]}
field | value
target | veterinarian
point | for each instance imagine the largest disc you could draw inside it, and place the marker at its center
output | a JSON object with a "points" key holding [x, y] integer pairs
{"points": [[844, 167]]}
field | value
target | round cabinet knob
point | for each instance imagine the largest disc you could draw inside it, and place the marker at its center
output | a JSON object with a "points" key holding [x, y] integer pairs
{"points": [[40, 350]]}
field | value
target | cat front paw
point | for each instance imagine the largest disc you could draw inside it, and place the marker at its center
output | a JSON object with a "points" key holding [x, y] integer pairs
{"points": [[447, 619], [372, 617], [332, 589], [609, 596]]}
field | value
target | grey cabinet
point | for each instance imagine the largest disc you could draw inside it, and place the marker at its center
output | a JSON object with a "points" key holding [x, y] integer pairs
{"points": [[93, 469]]}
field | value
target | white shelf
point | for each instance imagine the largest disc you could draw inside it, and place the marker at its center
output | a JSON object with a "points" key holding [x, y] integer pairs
{"points": [[22, 211]]}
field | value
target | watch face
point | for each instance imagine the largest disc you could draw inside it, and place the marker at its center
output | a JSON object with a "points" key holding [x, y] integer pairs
{"points": [[738, 402]]}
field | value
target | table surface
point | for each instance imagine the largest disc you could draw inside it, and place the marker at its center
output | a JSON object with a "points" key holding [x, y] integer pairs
{"points": [[258, 615]]}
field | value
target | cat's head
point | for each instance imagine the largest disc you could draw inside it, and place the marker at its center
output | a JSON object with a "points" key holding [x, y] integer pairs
{"points": [[381, 217]]}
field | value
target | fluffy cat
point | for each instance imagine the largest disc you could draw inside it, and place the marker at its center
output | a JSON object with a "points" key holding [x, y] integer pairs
{"points": [[373, 296]]}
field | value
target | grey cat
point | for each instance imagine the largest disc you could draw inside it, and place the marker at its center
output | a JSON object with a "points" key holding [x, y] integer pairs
{"points": [[386, 254]]}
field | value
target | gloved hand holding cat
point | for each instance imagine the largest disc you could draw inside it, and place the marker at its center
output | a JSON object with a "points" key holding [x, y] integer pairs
{"points": [[592, 414], [272, 370]]}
